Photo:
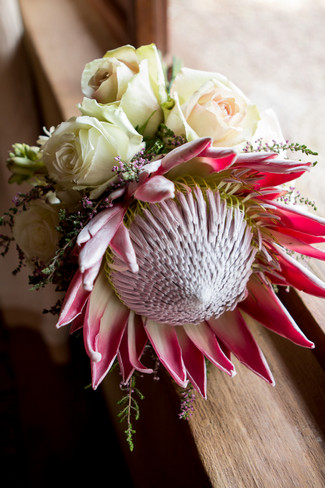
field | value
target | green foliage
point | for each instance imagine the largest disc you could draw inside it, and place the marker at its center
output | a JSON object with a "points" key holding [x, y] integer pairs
{"points": [[165, 141], [294, 197], [25, 163], [143, 127], [170, 71], [130, 409], [278, 147], [174, 70]]}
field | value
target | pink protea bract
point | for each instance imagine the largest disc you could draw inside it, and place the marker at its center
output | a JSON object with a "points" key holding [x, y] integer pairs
{"points": [[180, 263]]}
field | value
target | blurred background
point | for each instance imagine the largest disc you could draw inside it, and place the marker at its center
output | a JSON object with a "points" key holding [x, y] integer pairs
{"points": [[272, 49]]}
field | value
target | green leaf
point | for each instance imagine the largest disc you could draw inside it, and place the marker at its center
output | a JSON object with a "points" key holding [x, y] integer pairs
{"points": [[175, 69], [143, 127]]}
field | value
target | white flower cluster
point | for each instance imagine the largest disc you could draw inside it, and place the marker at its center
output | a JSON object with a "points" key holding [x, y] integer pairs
{"points": [[125, 102]]}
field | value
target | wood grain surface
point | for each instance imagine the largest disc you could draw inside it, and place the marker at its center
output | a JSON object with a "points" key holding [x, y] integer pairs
{"points": [[247, 434], [250, 434]]}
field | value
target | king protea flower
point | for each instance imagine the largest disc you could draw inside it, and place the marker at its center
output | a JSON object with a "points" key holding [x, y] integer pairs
{"points": [[183, 255]]}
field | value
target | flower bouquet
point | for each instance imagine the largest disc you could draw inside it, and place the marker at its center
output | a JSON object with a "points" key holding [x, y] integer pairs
{"points": [[164, 212]]}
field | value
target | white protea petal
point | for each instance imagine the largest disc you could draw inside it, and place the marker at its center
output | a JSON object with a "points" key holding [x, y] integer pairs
{"points": [[190, 270]]}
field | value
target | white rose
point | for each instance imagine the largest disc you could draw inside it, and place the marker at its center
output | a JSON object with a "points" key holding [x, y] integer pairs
{"points": [[134, 78], [268, 128], [35, 231], [81, 152], [208, 104]]}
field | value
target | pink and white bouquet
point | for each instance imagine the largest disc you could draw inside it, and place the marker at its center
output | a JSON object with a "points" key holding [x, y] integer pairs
{"points": [[161, 212]]}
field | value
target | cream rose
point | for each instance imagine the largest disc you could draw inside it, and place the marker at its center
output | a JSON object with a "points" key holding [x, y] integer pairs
{"points": [[81, 152], [35, 231], [208, 104], [134, 78]]}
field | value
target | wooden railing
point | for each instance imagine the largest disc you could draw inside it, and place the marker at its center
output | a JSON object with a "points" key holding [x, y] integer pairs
{"points": [[247, 434]]}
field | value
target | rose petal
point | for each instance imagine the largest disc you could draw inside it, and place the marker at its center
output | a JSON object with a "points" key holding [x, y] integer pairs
{"points": [[140, 103]]}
